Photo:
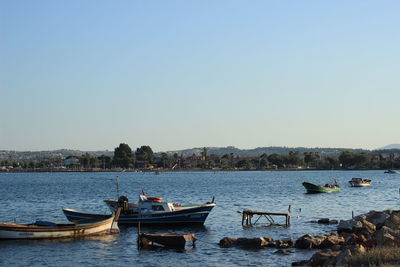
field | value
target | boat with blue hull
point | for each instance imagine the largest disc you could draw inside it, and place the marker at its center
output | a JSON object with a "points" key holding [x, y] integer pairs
{"points": [[151, 211]]}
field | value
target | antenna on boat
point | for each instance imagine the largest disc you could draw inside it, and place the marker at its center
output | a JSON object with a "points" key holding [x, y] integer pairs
{"points": [[117, 184]]}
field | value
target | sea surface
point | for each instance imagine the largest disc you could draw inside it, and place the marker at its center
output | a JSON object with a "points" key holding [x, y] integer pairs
{"points": [[27, 197]]}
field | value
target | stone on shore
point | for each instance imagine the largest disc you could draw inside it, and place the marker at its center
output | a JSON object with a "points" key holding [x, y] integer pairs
{"points": [[393, 222], [349, 226], [327, 221], [378, 217], [251, 243], [301, 263], [227, 242], [324, 241], [304, 242], [284, 251], [284, 243], [376, 228], [331, 240], [387, 237], [320, 258]]}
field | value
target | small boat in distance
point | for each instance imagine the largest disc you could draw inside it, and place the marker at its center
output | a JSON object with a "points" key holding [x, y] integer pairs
{"points": [[49, 230], [328, 188], [392, 171], [360, 182]]}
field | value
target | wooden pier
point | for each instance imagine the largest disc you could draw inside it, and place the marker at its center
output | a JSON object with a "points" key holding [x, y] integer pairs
{"points": [[248, 214]]}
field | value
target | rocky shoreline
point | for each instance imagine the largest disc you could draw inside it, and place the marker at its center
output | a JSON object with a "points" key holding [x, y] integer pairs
{"points": [[376, 229]]}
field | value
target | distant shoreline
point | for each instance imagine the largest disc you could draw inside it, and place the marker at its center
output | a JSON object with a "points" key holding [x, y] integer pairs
{"points": [[180, 170]]}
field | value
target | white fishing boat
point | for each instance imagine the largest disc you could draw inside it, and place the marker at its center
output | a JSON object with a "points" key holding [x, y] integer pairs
{"points": [[360, 182], [151, 211]]}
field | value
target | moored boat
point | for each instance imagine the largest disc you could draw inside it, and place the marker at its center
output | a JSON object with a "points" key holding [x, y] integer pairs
{"points": [[50, 230], [328, 188], [360, 182], [151, 212], [392, 171]]}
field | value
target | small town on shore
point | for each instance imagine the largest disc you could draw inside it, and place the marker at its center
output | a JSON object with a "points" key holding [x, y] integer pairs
{"points": [[123, 158]]}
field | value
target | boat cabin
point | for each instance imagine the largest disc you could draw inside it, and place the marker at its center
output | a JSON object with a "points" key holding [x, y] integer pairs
{"points": [[147, 205]]}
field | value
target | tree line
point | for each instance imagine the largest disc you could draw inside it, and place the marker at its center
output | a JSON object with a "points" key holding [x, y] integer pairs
{"points": [[144, 158]]}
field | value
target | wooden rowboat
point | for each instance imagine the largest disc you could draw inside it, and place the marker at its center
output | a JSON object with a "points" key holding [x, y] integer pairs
{"points": [[328, 188], [50, 230]]}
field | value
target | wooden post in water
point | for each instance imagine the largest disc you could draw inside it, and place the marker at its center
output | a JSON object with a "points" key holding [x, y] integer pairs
{"points": [[139, 242]]}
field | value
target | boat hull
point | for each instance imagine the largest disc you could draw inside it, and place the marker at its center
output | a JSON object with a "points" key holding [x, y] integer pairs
{"points": [[392, 172], [360, 185], [188, 216], [33, 231], [313, 189]]}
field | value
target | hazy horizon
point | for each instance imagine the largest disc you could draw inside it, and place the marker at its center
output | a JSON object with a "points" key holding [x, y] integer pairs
{"points": [[89, 75], [188, 148]]}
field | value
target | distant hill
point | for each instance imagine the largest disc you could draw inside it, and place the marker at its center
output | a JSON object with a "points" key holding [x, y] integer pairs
{"points": [[219, 151], [31, 155], [255, 152], [392, 146]]}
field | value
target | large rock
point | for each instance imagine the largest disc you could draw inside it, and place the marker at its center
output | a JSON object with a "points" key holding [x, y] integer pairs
{"points": [[268, 239], [341, 258], [367, 227], [393, 222], [251, 243], [284, 243], [378, 217], [227, 242], [357, 249], [321, 258], [326, 221], [304, 242], [349, 226], [360, 218], [301, 263], [269, 242], [387, 237], [331, 240], [309, 241], [354, 239], [284, 251]]}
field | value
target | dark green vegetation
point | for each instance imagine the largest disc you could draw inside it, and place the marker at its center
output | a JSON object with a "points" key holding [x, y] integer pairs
{"points": [[376, 257], [144, 158]]}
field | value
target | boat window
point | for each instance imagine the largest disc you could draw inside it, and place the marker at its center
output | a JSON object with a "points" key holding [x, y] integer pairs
{"points": [[157, 207]]}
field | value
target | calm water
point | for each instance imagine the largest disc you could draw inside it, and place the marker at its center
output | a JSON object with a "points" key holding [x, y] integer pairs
{"points": [[26, 197]]}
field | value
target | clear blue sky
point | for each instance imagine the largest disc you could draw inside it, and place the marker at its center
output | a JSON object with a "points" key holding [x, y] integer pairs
{"points": [[180, 74]]}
